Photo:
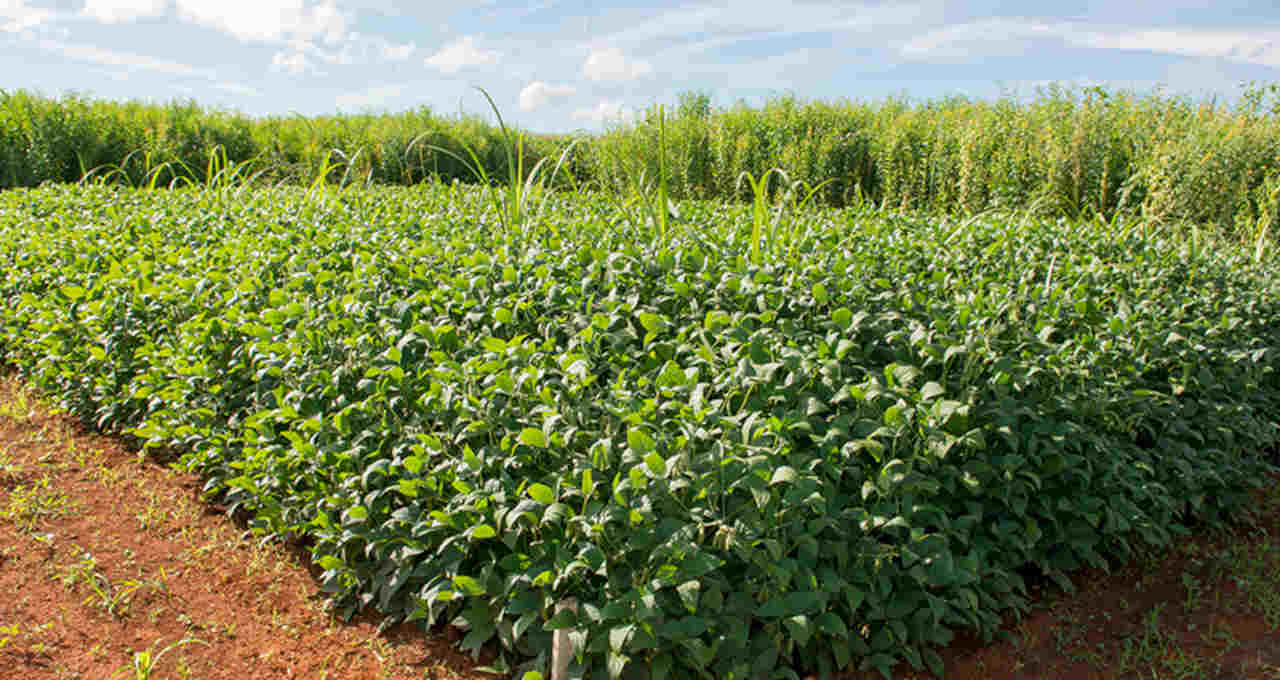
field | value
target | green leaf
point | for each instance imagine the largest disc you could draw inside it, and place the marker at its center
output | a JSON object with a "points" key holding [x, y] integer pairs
{"points": [[616, 664], [72, 291], [772, 608], [820, 293], [800, 628], [832, 625], [783, 475], [657, 465], [565, 618], [471, 460], [689, 592], [469, 585], [542, 493], [651, 322], [483, 531], [640, 441], [660, 668], [531, 436], [842, 317]]}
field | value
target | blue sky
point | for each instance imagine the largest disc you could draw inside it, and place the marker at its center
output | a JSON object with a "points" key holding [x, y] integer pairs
{"points": [[562, 65]]}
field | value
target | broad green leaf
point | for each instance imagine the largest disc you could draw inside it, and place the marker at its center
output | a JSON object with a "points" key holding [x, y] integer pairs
{"points": [[657, 465], [820, 294], [541, 493], [783, 475], [842, 317], [640, 441], [651, 322], [469, 585], [530, 436]]}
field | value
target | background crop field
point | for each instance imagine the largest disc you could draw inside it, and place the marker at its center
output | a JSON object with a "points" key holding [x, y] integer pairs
{"points": [[1076, 153]]}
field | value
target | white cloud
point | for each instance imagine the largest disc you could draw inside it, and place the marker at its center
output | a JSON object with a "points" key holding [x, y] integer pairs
{"points": [[460, 54], [537, 94], [16, 16], [268, 20], [356, 49], [606, 111], [122, 11], [610, 64]]}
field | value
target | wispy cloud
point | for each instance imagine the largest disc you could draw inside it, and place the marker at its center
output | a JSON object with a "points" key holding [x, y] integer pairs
{"points": [[725, 22], [1003, 37], [1252, 47], [977, 39], [127, 60], [460, 54]]}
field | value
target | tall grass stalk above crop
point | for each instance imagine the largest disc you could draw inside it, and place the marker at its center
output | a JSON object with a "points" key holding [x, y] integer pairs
{"points": [[510, 202], [656, 210], [760, 191]]}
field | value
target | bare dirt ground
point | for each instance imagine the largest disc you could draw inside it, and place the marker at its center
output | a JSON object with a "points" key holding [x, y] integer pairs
{"points": [[112, 566]]}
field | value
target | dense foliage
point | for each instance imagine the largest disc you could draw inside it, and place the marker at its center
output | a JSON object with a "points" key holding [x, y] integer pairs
{"points": [[1060, 153], [745, 452]]}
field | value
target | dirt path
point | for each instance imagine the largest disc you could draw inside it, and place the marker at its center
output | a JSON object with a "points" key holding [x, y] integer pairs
{"points": [[112, 566]]}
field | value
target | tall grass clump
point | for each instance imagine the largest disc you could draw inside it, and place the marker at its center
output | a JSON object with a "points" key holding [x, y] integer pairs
{"points": [[1063, 152], [44, 139]]}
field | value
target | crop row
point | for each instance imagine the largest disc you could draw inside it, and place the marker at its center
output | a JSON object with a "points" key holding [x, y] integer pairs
{"points": [[742, 456]]}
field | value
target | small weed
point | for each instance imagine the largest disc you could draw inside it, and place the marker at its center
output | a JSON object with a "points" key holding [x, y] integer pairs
{"points": [[114, 598], [1155, 653], [146, 661], [18, 407], [11, 472], [1256, 572], [155, 514], [31, 504], [1195, 589], [31, 641]]}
